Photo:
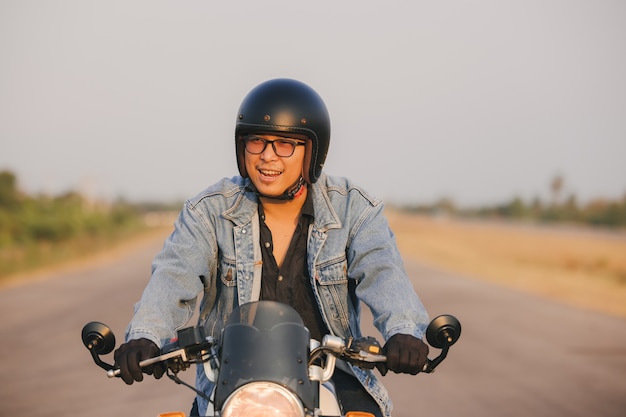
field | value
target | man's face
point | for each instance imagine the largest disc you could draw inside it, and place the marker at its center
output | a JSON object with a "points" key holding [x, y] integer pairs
{"points": [[272, 174]]}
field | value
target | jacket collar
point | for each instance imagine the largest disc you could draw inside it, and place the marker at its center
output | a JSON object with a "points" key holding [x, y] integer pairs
{"points": [[325, 215], [245, 206]]}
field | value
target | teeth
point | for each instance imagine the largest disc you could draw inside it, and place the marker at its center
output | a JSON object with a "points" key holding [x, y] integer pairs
{"points": [[266, 172]]}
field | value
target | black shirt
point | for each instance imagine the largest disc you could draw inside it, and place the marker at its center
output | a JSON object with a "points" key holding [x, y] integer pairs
{"points": [[290, 284]]}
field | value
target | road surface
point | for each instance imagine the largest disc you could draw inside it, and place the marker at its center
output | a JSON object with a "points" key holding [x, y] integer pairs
{"points": [[518, 355]]}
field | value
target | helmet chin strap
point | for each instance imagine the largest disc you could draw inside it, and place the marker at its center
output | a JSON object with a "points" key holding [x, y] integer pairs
{"points": [[289, 194]]}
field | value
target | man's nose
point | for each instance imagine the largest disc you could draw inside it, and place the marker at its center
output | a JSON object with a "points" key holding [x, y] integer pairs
{"points": [[269, 153]]}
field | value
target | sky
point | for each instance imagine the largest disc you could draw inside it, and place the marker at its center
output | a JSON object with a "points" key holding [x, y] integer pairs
{"points": [[475, 101]]}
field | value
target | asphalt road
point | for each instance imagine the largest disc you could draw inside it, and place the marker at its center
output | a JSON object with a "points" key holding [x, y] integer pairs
{"points": [[518, 355]]}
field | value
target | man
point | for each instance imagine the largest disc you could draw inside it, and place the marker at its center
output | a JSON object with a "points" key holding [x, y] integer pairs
{"points": [[284, 231]]}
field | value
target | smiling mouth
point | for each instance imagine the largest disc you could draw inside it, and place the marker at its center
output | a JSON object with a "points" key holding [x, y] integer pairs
{"points": [[269, 172]]}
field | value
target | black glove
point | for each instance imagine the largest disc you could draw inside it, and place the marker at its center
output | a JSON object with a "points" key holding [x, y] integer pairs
{"points": [[405, 354], [128, 356]]}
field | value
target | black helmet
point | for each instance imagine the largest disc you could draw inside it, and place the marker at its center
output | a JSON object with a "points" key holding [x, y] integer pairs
{"points": [[286, 107]]}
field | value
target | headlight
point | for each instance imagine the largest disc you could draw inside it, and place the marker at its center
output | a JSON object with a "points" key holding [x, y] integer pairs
{"points": [[262, 399]]}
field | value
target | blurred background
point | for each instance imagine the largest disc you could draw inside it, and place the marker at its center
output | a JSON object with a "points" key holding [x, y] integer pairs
{"points": [[114, 112], [508, 109]]}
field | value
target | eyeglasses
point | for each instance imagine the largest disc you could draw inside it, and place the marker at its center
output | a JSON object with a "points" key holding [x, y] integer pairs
{"points": [[282, 147]]}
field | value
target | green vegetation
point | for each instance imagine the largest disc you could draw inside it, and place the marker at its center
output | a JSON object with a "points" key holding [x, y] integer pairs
{"points": [[603, 213], [41, 230], [599, 213]]}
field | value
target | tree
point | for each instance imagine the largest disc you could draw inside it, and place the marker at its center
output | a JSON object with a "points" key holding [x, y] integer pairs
{"points": [[556, 186], [8, 189]]}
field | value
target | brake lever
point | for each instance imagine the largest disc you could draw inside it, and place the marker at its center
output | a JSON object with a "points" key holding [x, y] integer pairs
{"points": [[112, 373], [366, 353]]}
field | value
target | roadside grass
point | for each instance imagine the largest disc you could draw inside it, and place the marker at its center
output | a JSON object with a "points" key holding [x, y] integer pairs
{"points": [[581, 267], [18, 260]]}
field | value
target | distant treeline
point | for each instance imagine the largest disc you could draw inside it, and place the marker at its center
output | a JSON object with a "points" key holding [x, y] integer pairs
{"points": [[27, 219], [600, 212], [41, 229]]}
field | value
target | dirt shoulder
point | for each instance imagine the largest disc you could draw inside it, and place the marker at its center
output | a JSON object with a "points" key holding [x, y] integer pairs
{"points": [[576, 266], [101, 257]]}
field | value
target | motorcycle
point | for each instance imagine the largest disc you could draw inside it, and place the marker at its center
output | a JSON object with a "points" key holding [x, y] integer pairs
{"points": [[265, 363]]}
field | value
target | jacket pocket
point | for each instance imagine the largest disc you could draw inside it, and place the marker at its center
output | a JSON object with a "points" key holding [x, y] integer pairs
{"points": [[332, 281], [333, 272], [227, 273], [213, 317]]}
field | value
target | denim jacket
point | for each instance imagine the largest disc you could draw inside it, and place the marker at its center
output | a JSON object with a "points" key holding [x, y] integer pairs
{"points": [[214, 251]]}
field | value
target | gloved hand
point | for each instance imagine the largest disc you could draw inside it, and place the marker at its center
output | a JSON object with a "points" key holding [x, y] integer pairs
{"points": [[405, 354], [128, 356]]}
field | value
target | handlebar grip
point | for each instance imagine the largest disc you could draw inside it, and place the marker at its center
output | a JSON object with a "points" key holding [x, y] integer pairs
{"points": [[116, 372], [383, 359]]}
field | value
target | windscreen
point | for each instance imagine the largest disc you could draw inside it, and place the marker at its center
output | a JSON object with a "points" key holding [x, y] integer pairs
{"points": [[264, 341]]}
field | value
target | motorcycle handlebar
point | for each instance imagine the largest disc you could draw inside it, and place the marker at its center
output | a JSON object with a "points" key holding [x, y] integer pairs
{"points": [[112, 373], [374, 359], [442, 333], [181, 353]]}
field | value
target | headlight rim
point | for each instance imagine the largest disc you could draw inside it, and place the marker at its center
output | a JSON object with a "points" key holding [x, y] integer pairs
{"points": [[285, 392]]}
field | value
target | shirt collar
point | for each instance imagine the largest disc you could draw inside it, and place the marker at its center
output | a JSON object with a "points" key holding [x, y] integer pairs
{"points": [[307, 208]]}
